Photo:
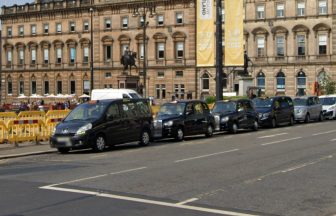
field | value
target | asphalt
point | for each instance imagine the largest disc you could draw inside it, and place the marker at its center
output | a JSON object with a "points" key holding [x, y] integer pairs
{"points": [[8, 150]]}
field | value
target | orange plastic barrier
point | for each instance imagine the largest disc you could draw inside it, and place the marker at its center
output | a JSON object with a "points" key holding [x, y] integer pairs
{"points": [[3, 132], [53, 114], [49, 126], [5, 117], [24, 130], [29, 115]]}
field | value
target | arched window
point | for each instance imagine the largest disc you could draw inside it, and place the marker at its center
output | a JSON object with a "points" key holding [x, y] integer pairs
{"points": [[9, 85], [301, 83], [280, 81], [205, 82], [261, 80], [321, 77], [33, 84]]}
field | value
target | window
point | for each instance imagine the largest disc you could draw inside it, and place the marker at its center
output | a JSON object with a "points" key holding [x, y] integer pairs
{"points": [[72, 27], [261, 12], [33, 56], [86, 26], [108, 75], [300, 8], [322, 44], [21, 56], [59, 87], [72, 55], [280, 10], [107, 53], [124, 22], [224, 81], [21, 31], [261, 80], [280, 81], [33, 29], [260, 46], [141, 51], [33, 87], [72, 87], [178, 74], [9, 87], [160, 20], [301, 83], [9, 57], [160, 74], [21, 87], [160, 91], [108, 24], [179, 50], [301, 45], [280, 46], [108, 86], [45, 56], [59, 28], [179, 91], [205, 82], [46, 28], [179, 18], [141, 21], [160, 50], [322, 7], [86, 55], [58, 55], [9, 32], [46, 87]]}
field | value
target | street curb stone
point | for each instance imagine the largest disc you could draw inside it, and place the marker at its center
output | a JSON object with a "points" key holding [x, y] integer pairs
{"points": [[27, 154]]}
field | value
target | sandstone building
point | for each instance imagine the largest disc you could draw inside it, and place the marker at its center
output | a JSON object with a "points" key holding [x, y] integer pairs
{"points": [[46, 47]]}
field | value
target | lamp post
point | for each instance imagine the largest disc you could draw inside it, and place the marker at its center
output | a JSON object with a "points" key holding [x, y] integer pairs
{"points": [[219, 51], [91, 51], [151, 9]]}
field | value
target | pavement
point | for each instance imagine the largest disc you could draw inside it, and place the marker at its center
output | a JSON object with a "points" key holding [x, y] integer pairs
{"points": [[24, 149]]}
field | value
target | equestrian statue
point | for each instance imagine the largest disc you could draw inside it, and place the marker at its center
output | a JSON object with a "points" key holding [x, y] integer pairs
{"points": [[128, 59]]}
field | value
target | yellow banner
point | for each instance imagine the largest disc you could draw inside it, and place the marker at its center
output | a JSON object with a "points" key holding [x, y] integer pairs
{"points": [[205, 33], [234, 33]]}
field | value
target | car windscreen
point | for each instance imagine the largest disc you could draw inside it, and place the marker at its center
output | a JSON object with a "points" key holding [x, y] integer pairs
{"points": [[224, 107], [300, 102], [134, 95], [86, 112], [328, 101], [172, 109], [261, 102]]}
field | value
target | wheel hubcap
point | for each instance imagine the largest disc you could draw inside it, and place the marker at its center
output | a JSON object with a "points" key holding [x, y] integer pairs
{"points": [[145, 138], [209, 130], [234, 127], [100, 143], [180, 133]]}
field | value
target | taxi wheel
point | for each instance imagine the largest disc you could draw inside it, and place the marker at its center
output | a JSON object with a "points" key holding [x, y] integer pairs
{"points": [[234, 128], [209, 132], [291, 121], [179, 136], [307, 119], [63, 150], [274, 123], [144, 138], [100, 143], [321, 117], [255, 126]]}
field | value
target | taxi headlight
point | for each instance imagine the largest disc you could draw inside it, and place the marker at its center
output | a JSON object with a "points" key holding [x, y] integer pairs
{"points": [[265, 115], [83, 129], [224, 119], [168, 123], [53, 131]]}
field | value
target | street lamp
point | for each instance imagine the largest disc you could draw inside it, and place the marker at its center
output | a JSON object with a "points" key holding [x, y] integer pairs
{"points": [[219, 52], [151, 9], [91, 51]]}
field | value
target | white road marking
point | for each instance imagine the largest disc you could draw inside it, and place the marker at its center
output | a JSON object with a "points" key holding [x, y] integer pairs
{"points": [[98, 156], [203, 156], [97, 176], [273, 135], [333, 140], [280, 141], [147, 201], [289, 169], [326, 132], [187, 201]]}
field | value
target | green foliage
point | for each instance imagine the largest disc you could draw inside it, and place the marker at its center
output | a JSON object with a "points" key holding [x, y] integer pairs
{"points": [[328, 85]]}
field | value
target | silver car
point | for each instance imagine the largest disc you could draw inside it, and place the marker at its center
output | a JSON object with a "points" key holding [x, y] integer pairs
{"points": [[307, 108]]}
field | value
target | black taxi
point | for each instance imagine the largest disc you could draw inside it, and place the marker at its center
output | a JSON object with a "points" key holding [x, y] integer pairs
{"points": [[98, 124], [232, 115], [178, 119]]}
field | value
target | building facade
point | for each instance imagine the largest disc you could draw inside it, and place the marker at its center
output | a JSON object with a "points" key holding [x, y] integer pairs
{"points": [[46, 47]]}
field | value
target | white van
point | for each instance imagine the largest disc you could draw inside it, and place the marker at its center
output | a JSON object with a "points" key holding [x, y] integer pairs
{"points": [[328, 106], [105, 94]]}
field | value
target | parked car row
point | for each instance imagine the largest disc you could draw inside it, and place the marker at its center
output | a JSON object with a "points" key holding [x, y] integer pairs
{"points": [[102, 123]]}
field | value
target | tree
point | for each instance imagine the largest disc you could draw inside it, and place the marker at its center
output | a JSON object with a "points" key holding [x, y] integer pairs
{"points": [[328, 86]]}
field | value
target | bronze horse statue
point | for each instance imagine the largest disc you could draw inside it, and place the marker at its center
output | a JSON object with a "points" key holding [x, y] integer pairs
{"points": [[128, 59]]}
